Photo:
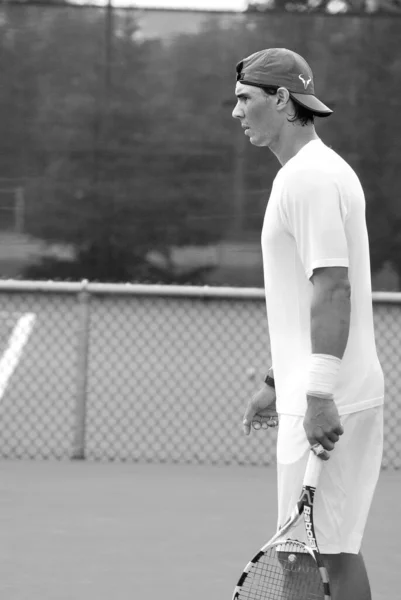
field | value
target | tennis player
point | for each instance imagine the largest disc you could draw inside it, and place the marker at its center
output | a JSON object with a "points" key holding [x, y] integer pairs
{"points": [[326, 382]]}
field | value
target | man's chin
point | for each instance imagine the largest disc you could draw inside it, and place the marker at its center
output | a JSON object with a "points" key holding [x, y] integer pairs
{"points": [[257, 141]]}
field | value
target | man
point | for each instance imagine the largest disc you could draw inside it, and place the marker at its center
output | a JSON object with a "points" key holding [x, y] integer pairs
{"points": [[326, 378]]}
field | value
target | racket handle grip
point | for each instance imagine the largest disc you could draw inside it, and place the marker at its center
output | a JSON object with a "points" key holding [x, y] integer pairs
{"points": [[313, 470]]}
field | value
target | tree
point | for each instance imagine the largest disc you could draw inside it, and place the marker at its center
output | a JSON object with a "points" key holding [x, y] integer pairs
{"points": [[327, 6], [127, 144], [111, 153]]}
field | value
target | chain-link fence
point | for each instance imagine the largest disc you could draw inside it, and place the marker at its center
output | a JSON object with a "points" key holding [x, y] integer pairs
{"points": [[148, 373]]}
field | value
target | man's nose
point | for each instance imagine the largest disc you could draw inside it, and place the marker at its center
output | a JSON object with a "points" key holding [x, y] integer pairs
{"points": [[237, 112]]}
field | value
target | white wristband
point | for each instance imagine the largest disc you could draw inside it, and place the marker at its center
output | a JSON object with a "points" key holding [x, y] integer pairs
{"points": [[323, 374]]}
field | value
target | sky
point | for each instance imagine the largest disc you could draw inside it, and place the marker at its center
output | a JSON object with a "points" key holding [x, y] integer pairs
{"points": [[194, 4]]}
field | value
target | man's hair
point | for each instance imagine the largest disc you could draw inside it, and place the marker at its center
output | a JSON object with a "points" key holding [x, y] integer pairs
{"points": [[301, 114]]}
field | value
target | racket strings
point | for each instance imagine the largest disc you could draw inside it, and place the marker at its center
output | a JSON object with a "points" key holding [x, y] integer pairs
{"points": [[284, 572]]}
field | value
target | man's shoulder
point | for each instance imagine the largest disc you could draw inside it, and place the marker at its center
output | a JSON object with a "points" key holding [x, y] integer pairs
{"points": [[322, 166], [307, 174]]}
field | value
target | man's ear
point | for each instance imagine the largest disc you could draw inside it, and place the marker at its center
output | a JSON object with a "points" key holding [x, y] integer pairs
{"points": [[282, 98]]}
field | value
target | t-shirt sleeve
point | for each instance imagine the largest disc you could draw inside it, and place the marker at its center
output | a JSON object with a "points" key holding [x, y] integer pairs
{"points": [[315, 213]]}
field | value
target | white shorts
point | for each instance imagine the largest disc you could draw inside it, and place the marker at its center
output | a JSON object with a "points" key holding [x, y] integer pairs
{"points": [[347, 483]]}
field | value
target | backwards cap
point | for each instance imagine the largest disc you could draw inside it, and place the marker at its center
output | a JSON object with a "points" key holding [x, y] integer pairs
{"points": [[282, 68]]}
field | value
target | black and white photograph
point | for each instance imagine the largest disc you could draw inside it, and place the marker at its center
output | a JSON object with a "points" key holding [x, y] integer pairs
{"points": [[200, 299]]}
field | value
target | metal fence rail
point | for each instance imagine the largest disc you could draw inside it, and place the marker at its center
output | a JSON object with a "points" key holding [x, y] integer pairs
{"points": [[148, 373]]}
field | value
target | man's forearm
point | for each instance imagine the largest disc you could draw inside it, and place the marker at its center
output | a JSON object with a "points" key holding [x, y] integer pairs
{"points": [[330, 321]]}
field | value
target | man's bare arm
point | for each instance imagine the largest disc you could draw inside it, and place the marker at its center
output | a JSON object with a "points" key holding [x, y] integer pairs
{"points": [[330, 311], [330, 322]]}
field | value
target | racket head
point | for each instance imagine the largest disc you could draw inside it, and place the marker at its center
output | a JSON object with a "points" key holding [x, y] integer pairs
{"points": [[284, 570]]}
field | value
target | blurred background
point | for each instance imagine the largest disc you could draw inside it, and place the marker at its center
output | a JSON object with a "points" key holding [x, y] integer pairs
{"points": [[119, 158]]}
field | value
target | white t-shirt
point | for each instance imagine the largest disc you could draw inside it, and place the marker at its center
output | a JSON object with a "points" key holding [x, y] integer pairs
{"points": [[316, 218]]}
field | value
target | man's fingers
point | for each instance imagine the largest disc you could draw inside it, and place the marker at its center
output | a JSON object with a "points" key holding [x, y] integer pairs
{"points": [[321, 439], [326, 443], [339, 430], [246, 426], [260, 409], [264, 422], [249, 421], [248, 418], [327, 438], [258, 423], [320, 451]]}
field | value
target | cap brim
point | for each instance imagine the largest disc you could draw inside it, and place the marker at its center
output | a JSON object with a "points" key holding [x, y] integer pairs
{"points": [[313, 104]]}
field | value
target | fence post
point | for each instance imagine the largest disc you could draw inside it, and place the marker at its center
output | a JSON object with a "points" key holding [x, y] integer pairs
{"points": [[78, 451]]}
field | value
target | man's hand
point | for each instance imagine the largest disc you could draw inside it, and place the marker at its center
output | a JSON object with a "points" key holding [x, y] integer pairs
{"points": [[322, 424], [261, 409]]}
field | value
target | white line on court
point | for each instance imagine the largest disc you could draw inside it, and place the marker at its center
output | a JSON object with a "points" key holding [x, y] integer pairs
{"points": [[16, 343]]}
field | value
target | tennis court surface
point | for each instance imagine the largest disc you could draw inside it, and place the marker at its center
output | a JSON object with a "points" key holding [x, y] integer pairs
{"points": [[118, 531]]}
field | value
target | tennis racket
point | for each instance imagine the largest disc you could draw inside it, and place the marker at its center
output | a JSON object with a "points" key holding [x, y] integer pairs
{"points": [[286, 569]]}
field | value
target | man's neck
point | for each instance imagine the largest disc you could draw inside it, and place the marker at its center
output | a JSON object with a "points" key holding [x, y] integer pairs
{"points": [[292, 140]]}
